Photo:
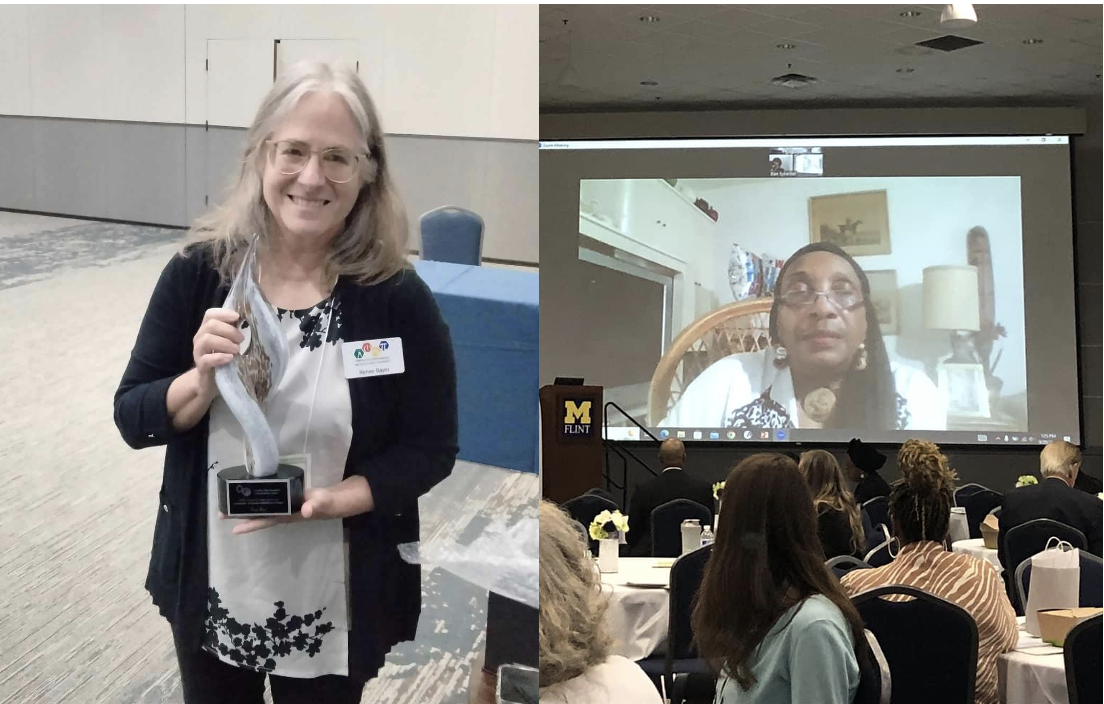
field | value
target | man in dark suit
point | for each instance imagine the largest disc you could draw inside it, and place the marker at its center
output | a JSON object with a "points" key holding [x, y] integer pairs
{"points": [[673, 483], [1054, 498]]}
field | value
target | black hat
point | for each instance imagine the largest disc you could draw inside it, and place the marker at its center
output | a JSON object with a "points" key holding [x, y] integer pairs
{"points": [[864, 456]]}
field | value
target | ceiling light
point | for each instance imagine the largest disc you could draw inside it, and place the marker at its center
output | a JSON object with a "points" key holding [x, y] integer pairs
{"points": [[1032, 42], [911, 13], [649, 19], [786, 46], [649, 83], [958, 16], [905, 69], [793, 80]]}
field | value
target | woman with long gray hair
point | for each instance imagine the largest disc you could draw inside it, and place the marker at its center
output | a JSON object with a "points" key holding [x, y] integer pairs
{"points": [[315, 599], [576, 664]]}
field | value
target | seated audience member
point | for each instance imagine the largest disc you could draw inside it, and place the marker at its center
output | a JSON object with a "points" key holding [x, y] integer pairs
{"points": [[920, 507], [863, 463], [575, 662], [770, 618], [839, 524], [1054, 498], [673, 483]]}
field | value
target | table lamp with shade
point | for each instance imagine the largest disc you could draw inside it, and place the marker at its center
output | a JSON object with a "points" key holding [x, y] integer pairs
{"points": [[951, 303]]}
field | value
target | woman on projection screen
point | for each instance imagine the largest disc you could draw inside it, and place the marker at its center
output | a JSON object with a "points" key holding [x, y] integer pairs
{"points": [[829, 369]]}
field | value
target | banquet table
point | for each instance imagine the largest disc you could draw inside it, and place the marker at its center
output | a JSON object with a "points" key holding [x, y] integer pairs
{"points": [[492, 315], [976, 547], [638, 605], [1033, 673]]}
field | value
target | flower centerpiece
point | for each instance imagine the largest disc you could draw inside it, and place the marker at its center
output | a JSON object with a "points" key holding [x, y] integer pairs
{"points": [[608, 528], [609, 525], [718, 488], [1026, 480]]}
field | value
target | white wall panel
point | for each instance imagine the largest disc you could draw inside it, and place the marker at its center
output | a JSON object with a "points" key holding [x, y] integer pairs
{"points": [[240, 74], [514, 78], [437, 76], [66, 48], [142, 66], [15, 61]]}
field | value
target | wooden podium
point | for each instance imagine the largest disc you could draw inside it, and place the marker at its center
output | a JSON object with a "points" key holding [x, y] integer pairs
{"points": [[571, 438]]}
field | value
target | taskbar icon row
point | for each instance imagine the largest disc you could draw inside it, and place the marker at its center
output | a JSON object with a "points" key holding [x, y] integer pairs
{"points": [[733, 434]]}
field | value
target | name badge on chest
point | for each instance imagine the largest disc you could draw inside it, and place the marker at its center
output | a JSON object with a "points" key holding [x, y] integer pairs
{"points": [[373, 358]]}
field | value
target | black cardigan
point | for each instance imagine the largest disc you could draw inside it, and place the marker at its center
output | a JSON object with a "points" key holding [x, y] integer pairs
{"points": [[404, 442]]}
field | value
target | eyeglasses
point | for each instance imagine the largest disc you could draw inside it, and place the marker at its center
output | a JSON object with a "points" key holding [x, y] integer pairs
{"points": [[338, 164], [844, 298]]}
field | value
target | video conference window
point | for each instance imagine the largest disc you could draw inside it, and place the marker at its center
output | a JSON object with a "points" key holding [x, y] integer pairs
{"points": [[839, 334]]}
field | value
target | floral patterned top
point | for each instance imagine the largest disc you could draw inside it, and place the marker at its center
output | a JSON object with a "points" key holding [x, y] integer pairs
{"points": [[277, 598]]}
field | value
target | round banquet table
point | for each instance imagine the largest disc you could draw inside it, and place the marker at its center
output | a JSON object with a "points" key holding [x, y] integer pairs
{"points": [[638, 605], [976, 547], [1033, 673]]}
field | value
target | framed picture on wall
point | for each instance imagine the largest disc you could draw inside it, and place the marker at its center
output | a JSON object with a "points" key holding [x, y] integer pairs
{"points": [[963, 386], [857, 222], [883, 294]]}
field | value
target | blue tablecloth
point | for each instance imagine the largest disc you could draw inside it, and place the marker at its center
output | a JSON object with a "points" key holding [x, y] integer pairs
{"points": [[492, 315]]}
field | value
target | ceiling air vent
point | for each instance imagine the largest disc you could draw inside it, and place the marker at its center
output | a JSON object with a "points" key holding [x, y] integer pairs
{"points": [[793, 80], [949, 42]]}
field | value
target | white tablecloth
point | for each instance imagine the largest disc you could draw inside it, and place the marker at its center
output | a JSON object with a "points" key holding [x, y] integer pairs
{"points": [[638, 605], [976, 547], [1032, 678]]}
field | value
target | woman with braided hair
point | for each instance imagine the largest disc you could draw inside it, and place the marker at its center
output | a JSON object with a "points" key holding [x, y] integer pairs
{"points": [[920, 510]]}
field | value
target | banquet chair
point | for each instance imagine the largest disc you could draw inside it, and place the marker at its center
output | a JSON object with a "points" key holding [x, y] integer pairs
{"points": [[738, 327], [1082, 652], [878, 509], [922, 636], [875, 679], [883, 554], [842, 564], [667, 525], [1089, 592], [681, 656], [978, 505], [965, 490], [452, 234], [584, 508], [1027, 539]]}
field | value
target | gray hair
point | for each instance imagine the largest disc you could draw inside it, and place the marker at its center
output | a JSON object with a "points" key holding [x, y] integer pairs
{"points": [[373, 244], [1060, 459], [572, 633]]}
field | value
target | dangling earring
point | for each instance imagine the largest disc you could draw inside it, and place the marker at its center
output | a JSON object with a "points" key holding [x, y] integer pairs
{"points": [[860, 361], [780, 354]]}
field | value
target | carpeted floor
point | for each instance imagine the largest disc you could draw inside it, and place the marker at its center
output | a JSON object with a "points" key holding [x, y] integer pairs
{"points": [[76, 625]]}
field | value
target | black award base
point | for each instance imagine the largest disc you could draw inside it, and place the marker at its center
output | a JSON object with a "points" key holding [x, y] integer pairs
{"points": [[241, 495]]}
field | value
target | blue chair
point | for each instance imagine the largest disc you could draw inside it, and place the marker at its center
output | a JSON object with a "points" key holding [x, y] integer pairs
{"points": [[1081, 652], [978, 505], [878, 510], [1092, 581], [883, 554], [452, 234], [681, 656], [964, 491], [667, 525], [1027, 539], [842, 564], [584, 508], [919, 637], [875, 679]]}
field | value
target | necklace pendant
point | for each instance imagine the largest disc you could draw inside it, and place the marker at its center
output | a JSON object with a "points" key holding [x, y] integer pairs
{"points": [[819, 404]]}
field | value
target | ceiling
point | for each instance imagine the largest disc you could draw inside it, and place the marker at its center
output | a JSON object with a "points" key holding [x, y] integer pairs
{"points": [[724, 56]]}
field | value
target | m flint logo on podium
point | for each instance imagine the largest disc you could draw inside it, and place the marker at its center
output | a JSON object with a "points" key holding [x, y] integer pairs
{"points": [[577, 423]]}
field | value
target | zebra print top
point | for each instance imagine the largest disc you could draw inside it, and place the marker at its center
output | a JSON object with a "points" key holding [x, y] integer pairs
{"points": [[961, 579]]}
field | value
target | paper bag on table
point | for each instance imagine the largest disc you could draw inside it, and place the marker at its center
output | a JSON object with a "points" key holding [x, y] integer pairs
{"points": [[989, 529], [1055, 581]]}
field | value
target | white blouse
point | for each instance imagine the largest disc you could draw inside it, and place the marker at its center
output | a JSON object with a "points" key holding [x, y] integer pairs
{"points": [[277, 598], [747, 390]]}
